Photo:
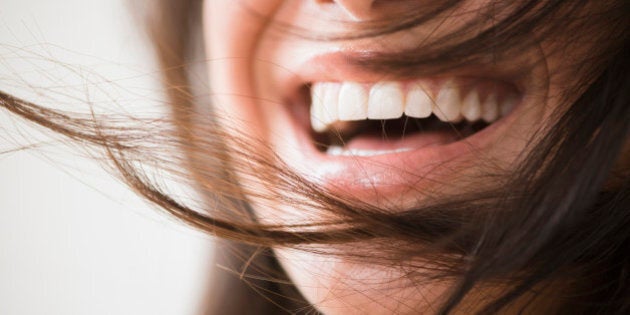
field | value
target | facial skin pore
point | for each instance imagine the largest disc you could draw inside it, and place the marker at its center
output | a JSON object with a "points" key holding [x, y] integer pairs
{"points": [[256, 70]]}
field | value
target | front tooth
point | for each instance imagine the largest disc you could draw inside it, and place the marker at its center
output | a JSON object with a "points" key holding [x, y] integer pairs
{"points": [[490, 108], [385, 101], [418, 103], [330, 102], [471, 106], [317, 108], [353, 99], [446, 106]]}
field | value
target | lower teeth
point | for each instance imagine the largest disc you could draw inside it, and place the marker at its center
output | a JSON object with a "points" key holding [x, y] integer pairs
{"points": [[339, 151], [336, 143]]}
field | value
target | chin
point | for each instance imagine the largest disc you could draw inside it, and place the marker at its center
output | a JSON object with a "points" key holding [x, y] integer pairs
{"points": [[337, 286]]}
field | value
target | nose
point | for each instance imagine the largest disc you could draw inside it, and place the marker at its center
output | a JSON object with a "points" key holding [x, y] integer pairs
{"points": [[356, 9]]}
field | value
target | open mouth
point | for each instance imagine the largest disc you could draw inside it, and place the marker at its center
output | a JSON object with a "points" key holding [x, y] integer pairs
{"points": [[354, 134], [357, 119]]}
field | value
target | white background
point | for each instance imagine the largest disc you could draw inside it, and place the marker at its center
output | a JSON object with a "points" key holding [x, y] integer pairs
{"points": [[73, 240]]}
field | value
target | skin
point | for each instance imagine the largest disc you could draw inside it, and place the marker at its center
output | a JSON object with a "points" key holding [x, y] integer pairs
{"points": [[253, 68]]}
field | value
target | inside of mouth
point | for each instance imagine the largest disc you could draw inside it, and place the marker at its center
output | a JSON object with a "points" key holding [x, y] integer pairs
{"points": [[374, 137], [405, 133]]}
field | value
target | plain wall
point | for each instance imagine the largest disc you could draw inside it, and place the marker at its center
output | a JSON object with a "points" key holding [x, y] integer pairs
{"points": [[73, 240]]}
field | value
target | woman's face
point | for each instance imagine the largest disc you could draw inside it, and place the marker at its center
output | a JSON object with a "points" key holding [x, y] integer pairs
{"points": [[272, 80]]}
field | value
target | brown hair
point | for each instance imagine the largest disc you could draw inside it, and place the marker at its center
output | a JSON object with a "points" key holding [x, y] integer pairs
{"points": [[568, 200]]}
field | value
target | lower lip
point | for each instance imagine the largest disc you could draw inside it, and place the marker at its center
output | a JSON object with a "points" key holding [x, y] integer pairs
{"points": [[389, 174]]}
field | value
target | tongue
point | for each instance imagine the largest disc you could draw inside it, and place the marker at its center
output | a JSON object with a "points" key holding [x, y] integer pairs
{"points": [[412, 141]]}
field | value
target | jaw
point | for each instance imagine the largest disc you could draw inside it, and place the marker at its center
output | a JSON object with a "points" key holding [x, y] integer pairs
{"points": [[337, 286]]}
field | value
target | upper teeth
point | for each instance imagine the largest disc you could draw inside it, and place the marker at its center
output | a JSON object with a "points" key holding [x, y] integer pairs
{"points": [[348, 101]]}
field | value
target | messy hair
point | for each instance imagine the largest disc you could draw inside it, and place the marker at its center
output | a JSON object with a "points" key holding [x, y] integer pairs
{"points": [[556, 220]]}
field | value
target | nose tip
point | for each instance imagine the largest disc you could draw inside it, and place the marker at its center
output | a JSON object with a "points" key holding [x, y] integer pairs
{"points": [[358, 10]]}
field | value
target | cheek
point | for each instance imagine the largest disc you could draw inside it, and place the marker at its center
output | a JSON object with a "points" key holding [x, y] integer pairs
{"points": [[232, 33]]}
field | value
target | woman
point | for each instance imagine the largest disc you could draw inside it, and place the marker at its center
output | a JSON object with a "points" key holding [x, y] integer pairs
{"points": [[396, 156]]}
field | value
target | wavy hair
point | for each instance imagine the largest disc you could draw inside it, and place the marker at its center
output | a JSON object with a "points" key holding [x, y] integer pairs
{"points": [[558, 220]]}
